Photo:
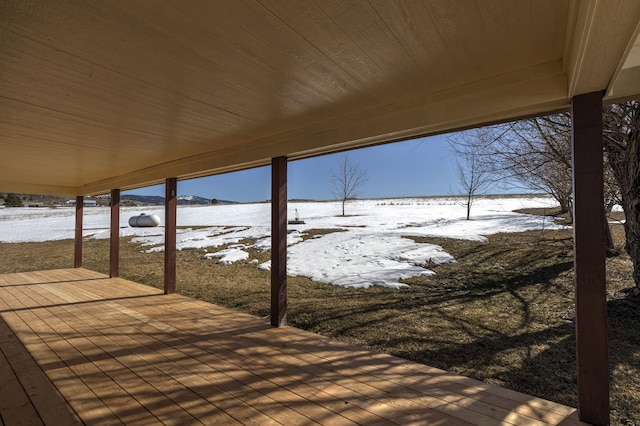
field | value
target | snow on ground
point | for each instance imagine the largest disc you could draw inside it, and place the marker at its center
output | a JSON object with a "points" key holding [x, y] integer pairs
{"points": [[231, 254], [368, 250]]}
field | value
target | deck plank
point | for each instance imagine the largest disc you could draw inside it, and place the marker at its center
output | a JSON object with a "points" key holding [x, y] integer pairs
{"points": [[34, 386], [16, 406], [114, 351], [297, 365]]}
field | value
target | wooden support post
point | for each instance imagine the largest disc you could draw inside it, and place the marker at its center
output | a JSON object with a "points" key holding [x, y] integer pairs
{"points": [[114, 246], [77, 258], [279, 241], [170, 219], [589, 259]]}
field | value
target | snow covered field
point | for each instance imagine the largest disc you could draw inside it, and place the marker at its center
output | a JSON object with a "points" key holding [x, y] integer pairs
{"points": [[369, 250]]}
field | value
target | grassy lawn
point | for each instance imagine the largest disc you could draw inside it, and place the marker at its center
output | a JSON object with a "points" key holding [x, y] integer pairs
{"points": [[503, 313]]}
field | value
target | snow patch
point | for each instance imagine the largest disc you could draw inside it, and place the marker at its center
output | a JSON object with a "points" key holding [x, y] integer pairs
{"points": [[370, 249], [360, 260], [228, 256], [266, 266]]}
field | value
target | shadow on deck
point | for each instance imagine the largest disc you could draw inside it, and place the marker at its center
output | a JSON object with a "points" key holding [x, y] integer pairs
{"points": [[78, 347]]}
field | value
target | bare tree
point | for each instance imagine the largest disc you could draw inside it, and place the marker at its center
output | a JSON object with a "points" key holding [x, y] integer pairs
{"points": [[474, 176], [347, 178], [535, 154], [555, 131], [622, 145]]}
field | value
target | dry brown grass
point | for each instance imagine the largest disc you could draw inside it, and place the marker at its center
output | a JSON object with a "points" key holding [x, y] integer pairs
{"points": [[503, 313]]}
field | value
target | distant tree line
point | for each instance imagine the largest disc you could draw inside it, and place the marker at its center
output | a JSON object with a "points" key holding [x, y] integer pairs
{"points": [[12, 200]]}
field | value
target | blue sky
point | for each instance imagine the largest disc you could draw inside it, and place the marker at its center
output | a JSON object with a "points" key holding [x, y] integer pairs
{"points": [[418, 167]]}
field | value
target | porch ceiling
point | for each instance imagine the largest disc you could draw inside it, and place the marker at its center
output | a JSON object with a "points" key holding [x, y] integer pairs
{"points": [[120, 94]]}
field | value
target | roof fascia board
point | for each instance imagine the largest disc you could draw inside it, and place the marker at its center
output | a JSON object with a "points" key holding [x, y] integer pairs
{"points": [[620, 84], [602, 34], [580, 22]]}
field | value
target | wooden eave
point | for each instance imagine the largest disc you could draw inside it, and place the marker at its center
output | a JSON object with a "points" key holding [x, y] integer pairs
{"points": [[95, 96]]}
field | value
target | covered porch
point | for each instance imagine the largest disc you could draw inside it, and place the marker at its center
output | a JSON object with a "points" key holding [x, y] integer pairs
{"points": [[108, 96], [80, 347]]}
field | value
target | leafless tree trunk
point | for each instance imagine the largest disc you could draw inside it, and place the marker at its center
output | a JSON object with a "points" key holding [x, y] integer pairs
{"points": [[611, 198], [347, 179], [622, 145]]}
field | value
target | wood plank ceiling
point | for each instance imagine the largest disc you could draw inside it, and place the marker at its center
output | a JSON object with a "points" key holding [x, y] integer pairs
{"points": [[108, 94]]}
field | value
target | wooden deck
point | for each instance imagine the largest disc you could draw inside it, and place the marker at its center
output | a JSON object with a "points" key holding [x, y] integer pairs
{"points": [[78, 347]]}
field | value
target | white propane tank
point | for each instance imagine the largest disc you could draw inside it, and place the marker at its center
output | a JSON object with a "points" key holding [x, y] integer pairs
{"points": [[144, 220]]}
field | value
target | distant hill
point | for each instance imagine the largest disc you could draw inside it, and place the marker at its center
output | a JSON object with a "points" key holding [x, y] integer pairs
{"points": [[189, 200], [141, 200]]}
